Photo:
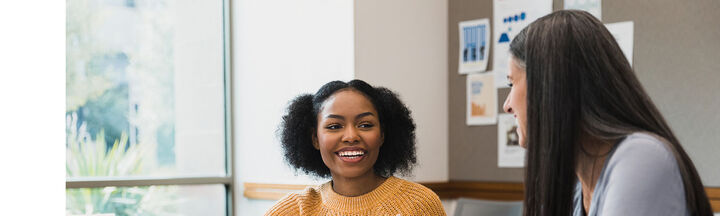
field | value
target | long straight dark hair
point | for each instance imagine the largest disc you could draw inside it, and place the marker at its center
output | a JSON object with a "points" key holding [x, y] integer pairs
{"points": [[579, 82]]}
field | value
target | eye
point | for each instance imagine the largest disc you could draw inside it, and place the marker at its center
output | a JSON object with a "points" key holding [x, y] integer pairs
{"points": [[366, 125], [333, 127], [510, 84]]}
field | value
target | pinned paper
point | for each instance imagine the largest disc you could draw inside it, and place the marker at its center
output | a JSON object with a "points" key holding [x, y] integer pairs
{"points": [[481, 99], [474, 45], [509, 18], [510, 154], [593, 7]]}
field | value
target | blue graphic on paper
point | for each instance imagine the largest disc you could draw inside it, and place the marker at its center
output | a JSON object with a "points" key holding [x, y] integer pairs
{"points": [[474, 43], [476, 87], [504, 37]]}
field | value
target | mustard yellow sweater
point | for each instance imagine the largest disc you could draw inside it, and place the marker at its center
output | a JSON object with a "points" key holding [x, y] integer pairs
{"points": [[393, 197]]}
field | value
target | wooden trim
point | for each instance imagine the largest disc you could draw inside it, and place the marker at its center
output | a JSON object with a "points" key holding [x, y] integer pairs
{"points": [[502, 191], [445, 190], [715, 203], [713, 194], [270, 191]]}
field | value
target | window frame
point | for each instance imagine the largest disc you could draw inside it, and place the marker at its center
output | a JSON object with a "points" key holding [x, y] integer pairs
{"points": [[228, 180]]}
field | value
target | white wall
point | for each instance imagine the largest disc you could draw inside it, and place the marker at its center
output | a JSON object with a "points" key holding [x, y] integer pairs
{"points": [[281, 48], [402, 45]]}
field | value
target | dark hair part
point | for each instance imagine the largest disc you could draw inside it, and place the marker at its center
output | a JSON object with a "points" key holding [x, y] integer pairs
{"points": [[397, 154], [579, 82]]}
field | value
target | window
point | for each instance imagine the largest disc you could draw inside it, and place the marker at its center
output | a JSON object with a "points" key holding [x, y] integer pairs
{"points": [[148, 129]]}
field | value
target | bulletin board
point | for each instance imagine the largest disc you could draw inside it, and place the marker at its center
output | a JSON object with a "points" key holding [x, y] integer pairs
{"points": [[676, 57]]}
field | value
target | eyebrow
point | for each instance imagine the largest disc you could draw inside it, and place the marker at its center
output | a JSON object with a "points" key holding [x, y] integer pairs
{"points": [[343, 118], [509, 77], [364, 114], [335, 116]]}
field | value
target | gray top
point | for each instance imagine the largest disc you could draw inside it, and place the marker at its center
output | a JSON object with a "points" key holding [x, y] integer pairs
{"points": [[640, 177]]}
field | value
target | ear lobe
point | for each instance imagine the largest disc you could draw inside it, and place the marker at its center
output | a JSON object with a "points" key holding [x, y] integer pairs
{"points": [[315, 141]]}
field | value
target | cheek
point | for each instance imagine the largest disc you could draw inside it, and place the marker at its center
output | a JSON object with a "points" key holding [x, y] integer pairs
{"points": [[518, 99], [326, 142], [374, 139], [326, 146], [375, 143]]}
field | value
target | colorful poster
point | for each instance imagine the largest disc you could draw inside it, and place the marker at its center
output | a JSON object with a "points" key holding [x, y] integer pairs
{"points": [[593, 7], [509, 17], [623, 33], [474, 45], [481, 99], [510, 154]]}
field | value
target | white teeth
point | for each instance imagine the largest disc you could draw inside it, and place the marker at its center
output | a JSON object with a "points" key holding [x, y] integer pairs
{"points": [[351, 153]]}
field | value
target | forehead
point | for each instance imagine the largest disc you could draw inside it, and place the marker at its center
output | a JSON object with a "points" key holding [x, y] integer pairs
{"points": [[347, 102], [515, 69]]}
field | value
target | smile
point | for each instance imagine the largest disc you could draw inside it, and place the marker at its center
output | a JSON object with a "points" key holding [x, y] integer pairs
{"points": [[351, 155]]}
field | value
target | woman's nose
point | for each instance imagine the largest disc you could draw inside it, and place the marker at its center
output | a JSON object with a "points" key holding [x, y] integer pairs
{"points": [[350, 135], [506, 105]]}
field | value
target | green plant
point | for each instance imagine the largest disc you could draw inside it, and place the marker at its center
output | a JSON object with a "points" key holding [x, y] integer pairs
{"points": [[86, 157]]}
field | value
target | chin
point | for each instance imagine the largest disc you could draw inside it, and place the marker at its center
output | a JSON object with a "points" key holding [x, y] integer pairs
{"points": [[522, 141], [354, 173]]}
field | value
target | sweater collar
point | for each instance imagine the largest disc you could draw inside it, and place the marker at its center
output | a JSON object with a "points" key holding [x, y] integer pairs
{"points": [[335, 201]]}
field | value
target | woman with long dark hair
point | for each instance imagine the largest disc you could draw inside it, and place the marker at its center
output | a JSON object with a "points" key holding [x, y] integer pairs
{"points": [[597, 145]]}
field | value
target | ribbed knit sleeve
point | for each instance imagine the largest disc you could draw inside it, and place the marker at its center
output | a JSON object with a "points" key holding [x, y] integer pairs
{"points": [[416, 199], [288, 205]]}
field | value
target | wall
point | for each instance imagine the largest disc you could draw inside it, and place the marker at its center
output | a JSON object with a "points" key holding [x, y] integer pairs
{"points": [[472, 150], [402, 45], [380, 46], [675, 57], [281, 48]]}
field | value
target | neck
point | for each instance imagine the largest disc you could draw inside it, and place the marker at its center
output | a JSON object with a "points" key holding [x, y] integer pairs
{"points": [[356, 186], [590, 161]]}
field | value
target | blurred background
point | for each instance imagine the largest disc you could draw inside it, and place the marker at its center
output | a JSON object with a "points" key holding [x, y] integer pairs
{"points": [[171, 107]]}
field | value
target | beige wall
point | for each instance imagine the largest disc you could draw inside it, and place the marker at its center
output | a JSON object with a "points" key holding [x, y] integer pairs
{"points": [[472, 150], [402, 45]]}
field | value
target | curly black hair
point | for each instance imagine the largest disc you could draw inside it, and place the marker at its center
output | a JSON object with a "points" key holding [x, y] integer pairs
{"points": [[397, 154]]}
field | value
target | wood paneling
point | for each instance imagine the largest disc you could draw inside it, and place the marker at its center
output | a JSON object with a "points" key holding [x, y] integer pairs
{"points": [[714, 195], [479, 190]]}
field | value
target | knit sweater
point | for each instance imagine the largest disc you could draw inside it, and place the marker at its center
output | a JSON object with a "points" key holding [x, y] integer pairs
{"points": [[393, 197]]}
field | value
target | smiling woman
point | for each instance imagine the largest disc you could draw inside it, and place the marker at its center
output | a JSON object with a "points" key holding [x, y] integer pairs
{"points": [[349, 138], [359, 136]]}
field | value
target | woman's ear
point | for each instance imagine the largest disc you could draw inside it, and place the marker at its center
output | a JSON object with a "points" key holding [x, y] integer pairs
{"points": [[315, 140], [382, 139]]}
